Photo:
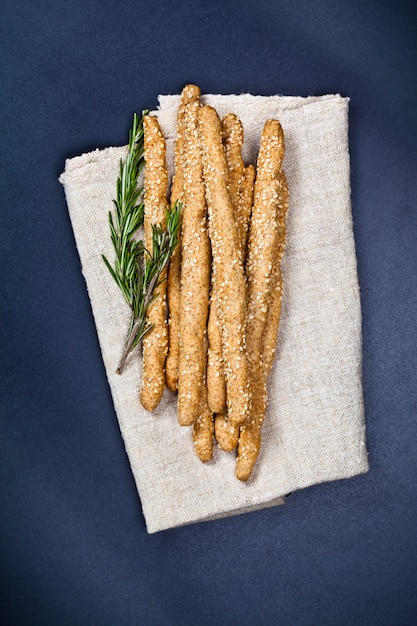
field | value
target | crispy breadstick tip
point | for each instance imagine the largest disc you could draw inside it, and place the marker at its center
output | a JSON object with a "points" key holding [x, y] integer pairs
{"points": [[248, 453], [232, 131], [203, 430], [227, 435], [271, 151], [190, 93]]}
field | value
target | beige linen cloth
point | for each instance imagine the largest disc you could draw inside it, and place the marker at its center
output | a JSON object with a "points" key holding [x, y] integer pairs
{"points": [[315, 429]]}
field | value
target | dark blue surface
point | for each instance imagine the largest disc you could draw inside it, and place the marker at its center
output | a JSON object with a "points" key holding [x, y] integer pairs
{"points": [[74, 549]]}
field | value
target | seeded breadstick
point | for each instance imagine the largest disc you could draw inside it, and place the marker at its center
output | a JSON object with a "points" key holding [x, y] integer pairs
{"points": [[203, 427], [189, 93], [155, 343], [232, 135], [227, 265], [262, 235], [270, 334], [227, 435], [195, 275], [250, 433]]}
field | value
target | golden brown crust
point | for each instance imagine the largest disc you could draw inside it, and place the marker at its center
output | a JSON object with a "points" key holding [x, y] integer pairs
{"points": [[271, 151], [250, 433], [227, 435], [232, 134], [265, 248], [216, 382], [245, 206], [173, 297], [270, 334], [203, 428], [262, 235], [155, 343], [227, 266], [241, 181], [195, 274], [189, 93]]}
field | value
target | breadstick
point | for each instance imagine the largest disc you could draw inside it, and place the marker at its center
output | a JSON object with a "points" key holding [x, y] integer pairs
{"points": [[189, 93], [227, 435], [195, 275], [203, 428], [263, 237], [250, 433], [232, 135], [155, 343], [227, 265]]}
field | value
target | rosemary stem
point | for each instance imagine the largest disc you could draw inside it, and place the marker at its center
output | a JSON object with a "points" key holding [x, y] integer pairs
{"points": [[136, 325], [128, 345]]}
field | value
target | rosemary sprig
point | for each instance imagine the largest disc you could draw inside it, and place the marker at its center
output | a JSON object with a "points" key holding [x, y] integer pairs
{"points": [[136, 270]]}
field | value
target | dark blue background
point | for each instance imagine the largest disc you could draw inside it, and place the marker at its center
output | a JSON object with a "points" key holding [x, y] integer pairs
{"points": [[73, 540]]}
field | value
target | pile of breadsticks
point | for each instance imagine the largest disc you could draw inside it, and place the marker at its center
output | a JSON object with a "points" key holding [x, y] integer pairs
{"points": [[223, 289]]}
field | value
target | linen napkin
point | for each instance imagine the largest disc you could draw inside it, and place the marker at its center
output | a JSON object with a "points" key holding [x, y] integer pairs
{"points": [[315, 428]]}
